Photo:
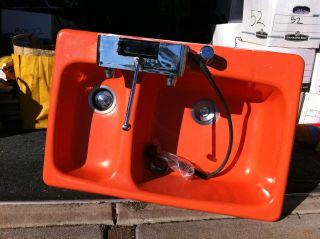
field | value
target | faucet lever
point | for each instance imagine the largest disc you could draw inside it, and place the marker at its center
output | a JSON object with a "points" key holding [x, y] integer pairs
{"points": [[126, 125]]}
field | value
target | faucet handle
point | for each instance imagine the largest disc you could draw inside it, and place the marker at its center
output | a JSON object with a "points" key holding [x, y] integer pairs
{"points": [[126, 125]]}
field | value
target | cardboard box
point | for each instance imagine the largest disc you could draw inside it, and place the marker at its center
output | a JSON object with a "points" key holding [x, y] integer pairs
{"points": [[228, 35], [41, 25], [282, 23], [310, 110], [315, 80]]}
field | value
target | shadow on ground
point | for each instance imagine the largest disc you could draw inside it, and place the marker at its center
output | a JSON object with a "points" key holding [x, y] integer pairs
{"points": [[304, 176], [21, 159], [22, 153]]}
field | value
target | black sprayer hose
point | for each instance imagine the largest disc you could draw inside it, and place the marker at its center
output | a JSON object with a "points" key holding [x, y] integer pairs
{"points": [[208, 75]]}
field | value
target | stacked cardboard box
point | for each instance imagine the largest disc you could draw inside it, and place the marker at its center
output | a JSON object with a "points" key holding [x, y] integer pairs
{"points": [[282, 26], [310, 109]]}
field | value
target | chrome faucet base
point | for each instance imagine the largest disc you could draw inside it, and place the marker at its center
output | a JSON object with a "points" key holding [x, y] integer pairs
{"points": [[150, 56]]}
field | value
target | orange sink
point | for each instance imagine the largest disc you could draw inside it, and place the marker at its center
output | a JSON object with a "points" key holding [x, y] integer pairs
{"points": [[90, 152]]}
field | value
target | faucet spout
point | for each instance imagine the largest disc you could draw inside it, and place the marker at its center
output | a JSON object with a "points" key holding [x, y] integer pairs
{"points": [[126, 125]]}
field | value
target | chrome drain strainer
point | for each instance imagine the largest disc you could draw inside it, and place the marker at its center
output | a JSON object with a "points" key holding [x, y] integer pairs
{"points": [[204, 112], [102, 99]]}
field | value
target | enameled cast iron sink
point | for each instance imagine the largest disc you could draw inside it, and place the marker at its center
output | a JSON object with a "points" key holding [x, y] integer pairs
{"points": [[90, 152]]}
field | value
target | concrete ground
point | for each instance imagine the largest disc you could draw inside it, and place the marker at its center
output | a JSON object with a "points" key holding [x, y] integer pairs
{"points": [[293, 227], [21, 158], [127, 219], [30, 209]]}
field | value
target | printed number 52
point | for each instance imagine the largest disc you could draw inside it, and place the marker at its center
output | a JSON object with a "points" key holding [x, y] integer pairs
{"points": [[296, 20], [256, 17]]}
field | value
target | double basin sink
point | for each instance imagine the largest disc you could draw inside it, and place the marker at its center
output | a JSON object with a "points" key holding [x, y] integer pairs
{"points": [[89, 151]]}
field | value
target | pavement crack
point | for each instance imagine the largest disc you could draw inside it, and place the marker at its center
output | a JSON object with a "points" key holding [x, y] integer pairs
{"points": [[114, 213]]}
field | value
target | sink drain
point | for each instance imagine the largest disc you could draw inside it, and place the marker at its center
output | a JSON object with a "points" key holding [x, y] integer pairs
{"points": [[204, 112], [102, 99]]}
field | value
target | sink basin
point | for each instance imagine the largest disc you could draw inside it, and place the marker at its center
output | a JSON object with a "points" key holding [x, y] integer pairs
{"points": [[90, 152]]}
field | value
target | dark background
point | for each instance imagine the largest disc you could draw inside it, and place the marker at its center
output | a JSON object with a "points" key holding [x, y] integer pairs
{"points": [[184, 20]]}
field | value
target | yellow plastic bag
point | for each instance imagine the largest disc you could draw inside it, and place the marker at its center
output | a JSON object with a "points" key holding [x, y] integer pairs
{"points": [[6, 68], [33, 72], [4, 60]]}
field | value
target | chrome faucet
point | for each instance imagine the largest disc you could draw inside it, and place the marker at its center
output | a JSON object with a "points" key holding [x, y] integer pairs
{"points": [[116, 52]]}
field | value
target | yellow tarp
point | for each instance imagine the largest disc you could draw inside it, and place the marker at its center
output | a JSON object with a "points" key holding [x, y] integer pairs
{"points": [[33, 74]]}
